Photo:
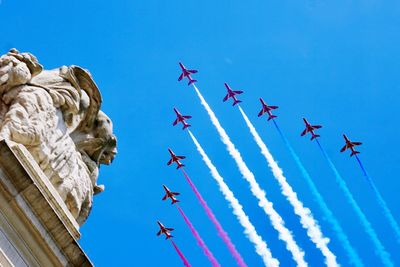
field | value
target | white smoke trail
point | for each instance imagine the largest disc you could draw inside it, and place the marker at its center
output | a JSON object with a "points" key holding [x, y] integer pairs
{"points": [[263, 202], [306, 218], [341, 235], [249, 230]]}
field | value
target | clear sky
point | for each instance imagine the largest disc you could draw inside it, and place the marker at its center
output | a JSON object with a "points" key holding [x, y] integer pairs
{"points": [[333, 62]]}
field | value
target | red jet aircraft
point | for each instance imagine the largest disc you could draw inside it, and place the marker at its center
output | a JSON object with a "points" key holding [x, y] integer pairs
{"points": [[181, 118], [171, 195], [187, 73], [266, 108], [310, 129], [164, 230], [232, 94], [350, 145], [175, 158]]}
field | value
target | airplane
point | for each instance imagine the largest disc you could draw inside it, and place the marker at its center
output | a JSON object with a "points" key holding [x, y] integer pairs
{"points": [[187, 73], [232, 94], [266, 108], [164, 230], [175, 158], [181, 118], [171, 195], [310, 129], [350, 145]]}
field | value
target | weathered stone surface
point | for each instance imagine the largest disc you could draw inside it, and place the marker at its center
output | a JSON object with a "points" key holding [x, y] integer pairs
{"points": [[36, 227], [55, 115]]}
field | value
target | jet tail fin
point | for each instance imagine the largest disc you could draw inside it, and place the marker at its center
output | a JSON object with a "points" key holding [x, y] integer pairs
{"points": [[236, 102], [180, 166], [315, 136], [174, 201], [272, 117], [192, 81]]}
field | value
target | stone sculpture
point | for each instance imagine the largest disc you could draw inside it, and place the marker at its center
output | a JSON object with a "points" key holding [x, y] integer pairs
{"points": [[56, 115]]}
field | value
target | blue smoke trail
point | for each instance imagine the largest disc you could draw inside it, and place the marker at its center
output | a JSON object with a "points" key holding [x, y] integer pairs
{"points": [[380, 250], [351, 253], [381, 202]]}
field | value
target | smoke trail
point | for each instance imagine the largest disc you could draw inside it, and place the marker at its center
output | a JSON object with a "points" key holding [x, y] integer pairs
{"points": [[263, 202], [380, 250], [216, 223], [352, 254], [200, 241], [185, 261], [306, 218], [249, 229], [382, 202]]}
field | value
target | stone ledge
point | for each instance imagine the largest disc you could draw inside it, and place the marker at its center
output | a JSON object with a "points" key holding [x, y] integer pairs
{"points": [[37, 209]]}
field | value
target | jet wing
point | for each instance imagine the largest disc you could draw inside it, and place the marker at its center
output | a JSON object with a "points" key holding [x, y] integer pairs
{"points": [[175, 122], [170, 161], [187, 117], [192, 71], [304, 132], [273, 107], [181, 157], [356, 143], [226, 97], [261, 112], [316, 126], [159, 233], [344, 148], [238, 92], [181, 77], [165, 197]]}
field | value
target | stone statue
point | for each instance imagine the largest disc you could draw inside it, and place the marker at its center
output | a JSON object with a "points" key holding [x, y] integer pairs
{"points": [[56, 115]]}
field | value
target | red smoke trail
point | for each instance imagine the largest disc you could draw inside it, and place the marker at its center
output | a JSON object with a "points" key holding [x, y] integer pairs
{"points": [[211, 216], [185, 261], [200, 241]]}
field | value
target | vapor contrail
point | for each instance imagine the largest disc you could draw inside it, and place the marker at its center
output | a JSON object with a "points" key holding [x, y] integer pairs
{"points": [[249, 230], [185, 261], [352, 254], [200, 241], [306, 218], [263, 202], [236, 255], [386, 211], [379, 248]]}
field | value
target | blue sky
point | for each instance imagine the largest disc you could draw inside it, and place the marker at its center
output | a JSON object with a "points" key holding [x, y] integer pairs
{"points": [[333, 62]]}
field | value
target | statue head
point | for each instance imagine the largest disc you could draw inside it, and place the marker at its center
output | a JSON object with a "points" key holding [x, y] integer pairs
{"points": [[103, 130]]}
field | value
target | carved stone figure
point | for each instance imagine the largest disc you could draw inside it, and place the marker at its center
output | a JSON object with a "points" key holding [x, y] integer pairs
{"points": [[56, 115]]}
